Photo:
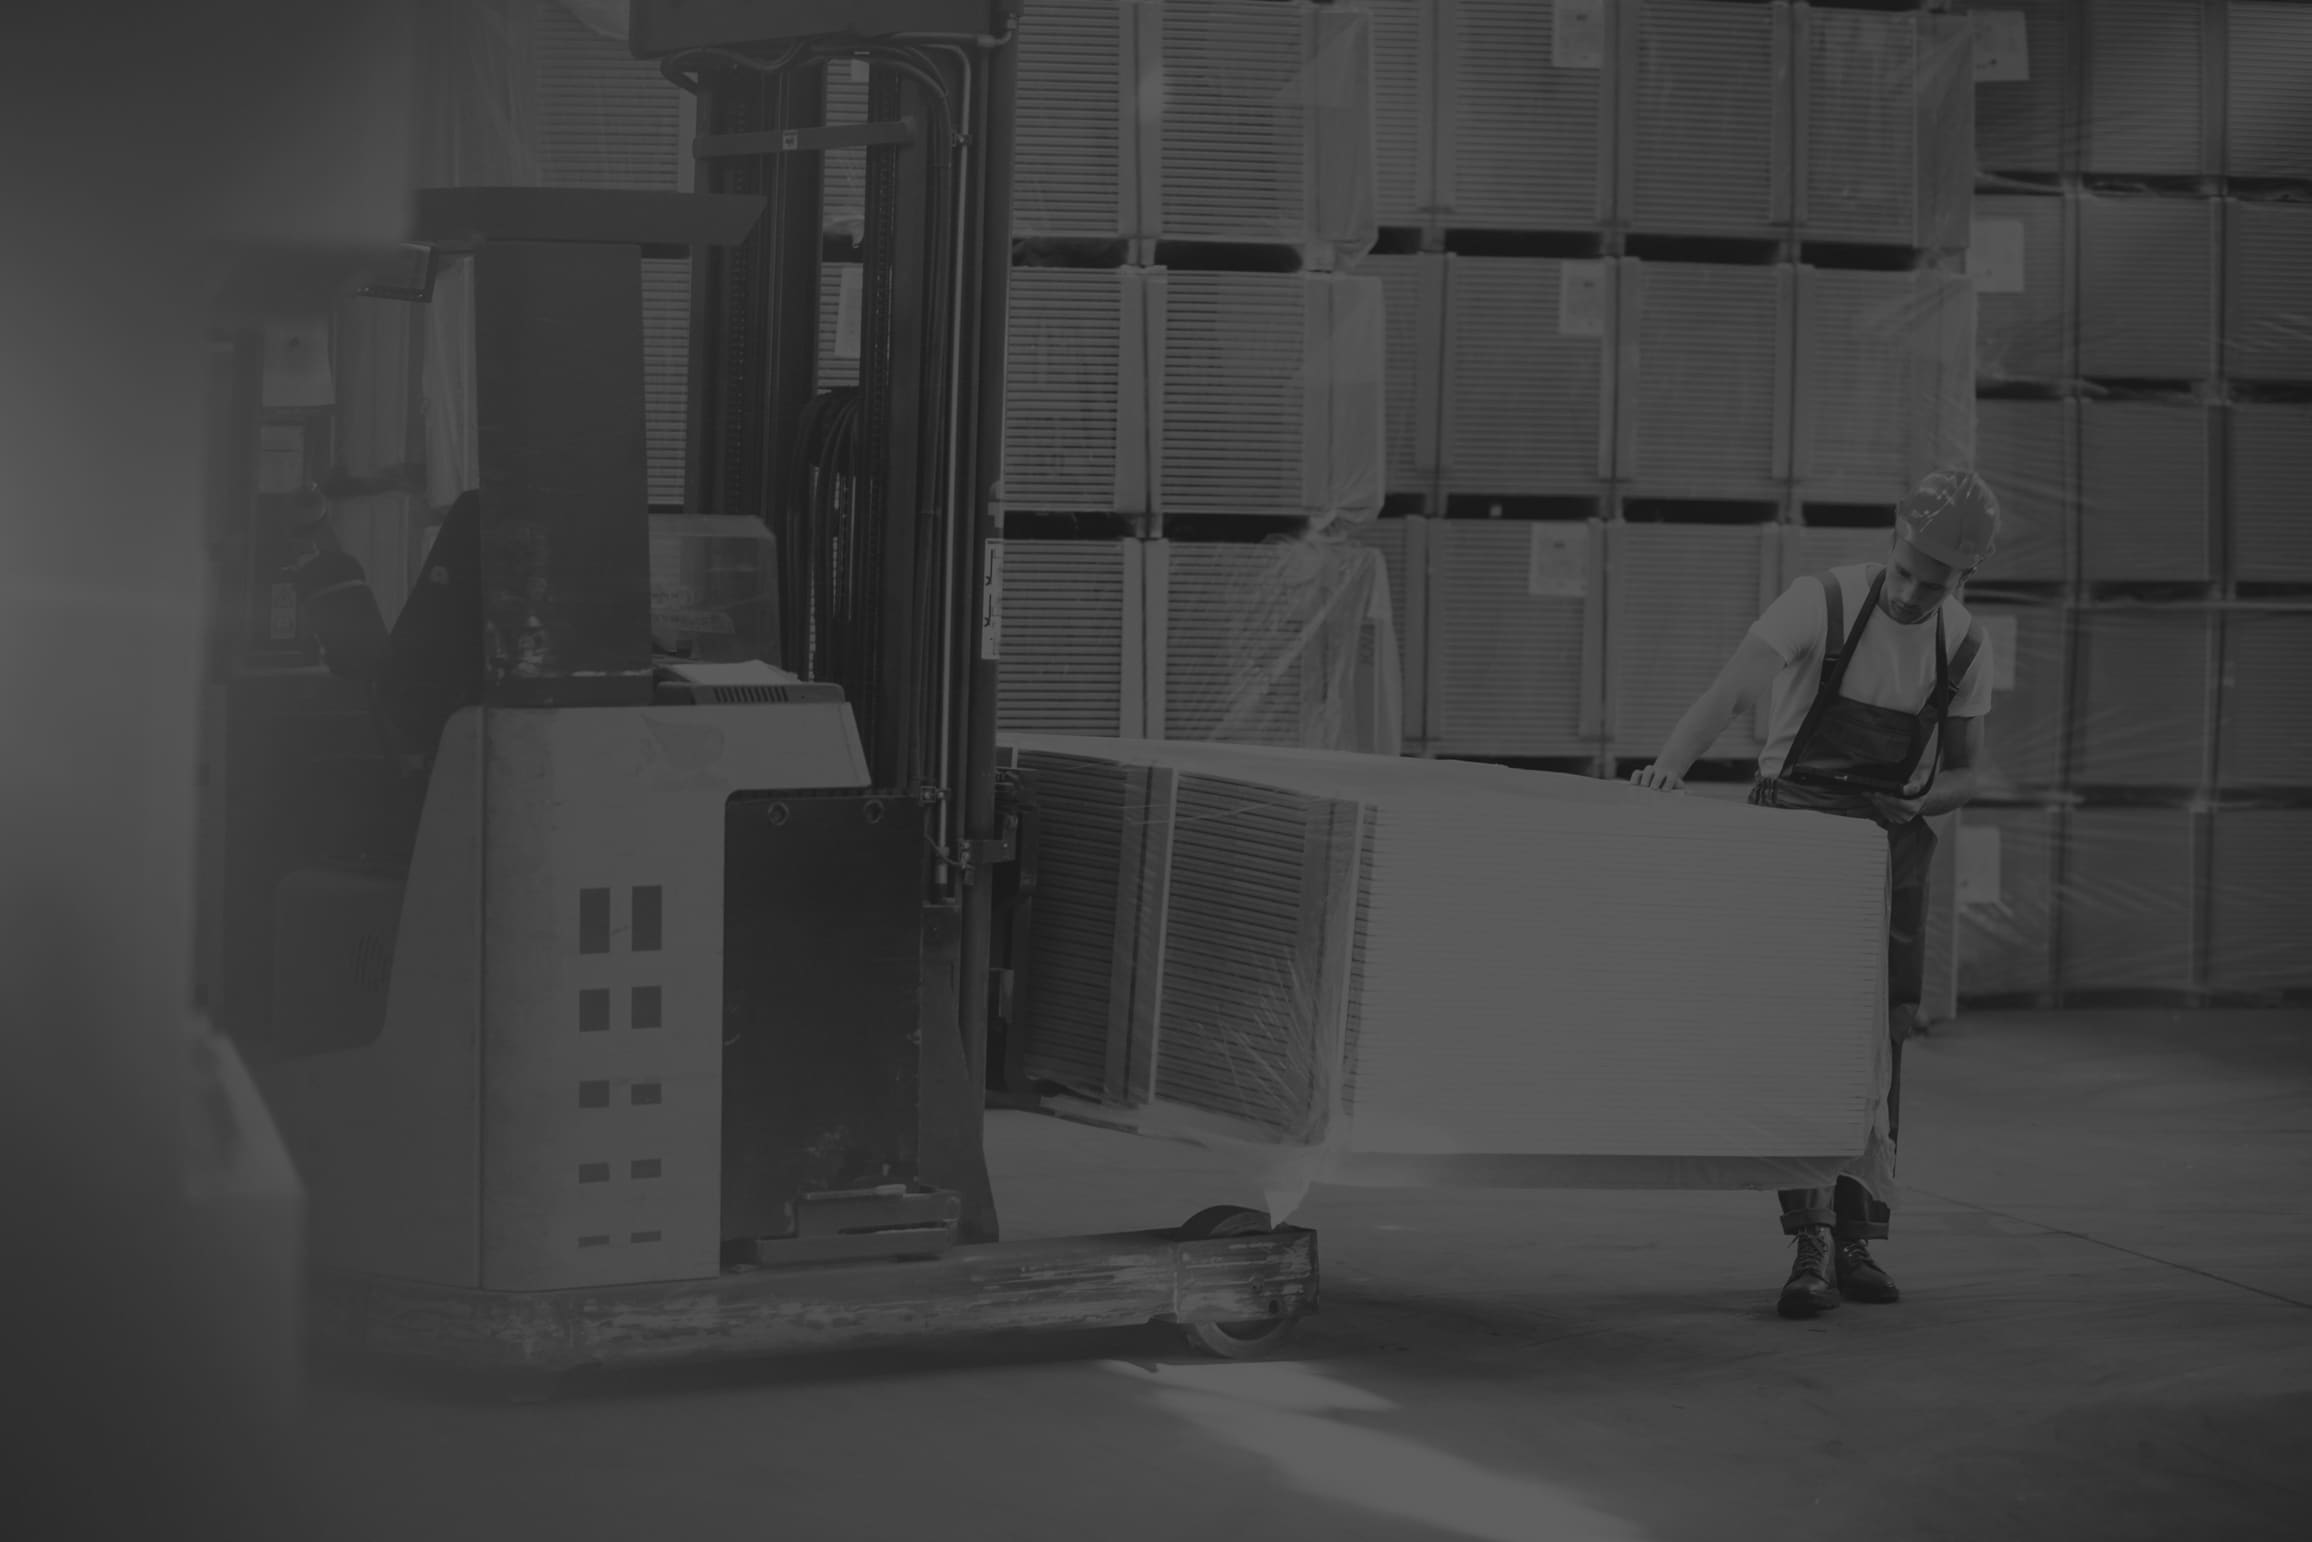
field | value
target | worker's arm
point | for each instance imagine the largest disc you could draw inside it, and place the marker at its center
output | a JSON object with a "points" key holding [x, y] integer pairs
{"points": [[1740, 686], [1956, 785]]}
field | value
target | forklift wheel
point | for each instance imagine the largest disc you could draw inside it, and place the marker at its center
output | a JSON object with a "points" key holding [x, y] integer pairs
{"points": [[1234, 1340]]}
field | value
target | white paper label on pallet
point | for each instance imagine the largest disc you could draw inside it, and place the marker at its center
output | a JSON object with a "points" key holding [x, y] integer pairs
{"points": [[1581, 300], [848, 294], [991, 605], [1557, 562], [1979, 858], [1995, 256], [1999, 636], [2002, 46], [1577, 39]]}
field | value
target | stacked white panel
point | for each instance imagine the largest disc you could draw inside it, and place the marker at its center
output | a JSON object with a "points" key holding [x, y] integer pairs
{"points": [[1525, 128], [2259, 906], [1516, 637], [1075, 159], [1404, 110], [1818, 548], [1885, 382], [2271, 468], [843, 173], [2147, 288], [2030, 690], [2267, 132], [2126, 909], [666, 375], [1528, 376], [840, 303], [1679, 601], [1884, 145], [2146, 506], [1072, 639], [1704, 113], [1703, 379], [2266, 742], [1075, 392], [2019, 256], [2006, 863], [1246, 653], [2146, 106], [1413, 289], [2025, 86], [2143, 714], [2027, 451], [2268, 296]]}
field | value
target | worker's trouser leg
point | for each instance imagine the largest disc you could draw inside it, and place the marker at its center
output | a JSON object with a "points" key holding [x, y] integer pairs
{"points": [[1849, 1209]]}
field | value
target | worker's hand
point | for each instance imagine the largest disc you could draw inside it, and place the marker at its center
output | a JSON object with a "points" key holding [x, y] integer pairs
{"points": [[1656, 778], [1896, 811]]}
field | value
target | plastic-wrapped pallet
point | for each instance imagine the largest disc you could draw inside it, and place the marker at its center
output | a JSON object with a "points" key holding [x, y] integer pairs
{"points": [[2146, 106], [2143, 716], [1524, 128], [2030, 688], [1413, 295], [1072, 639], [1679, 601], [1516, 637], [1704, 118], [2271, 467], [2025, 86], [2146, 499], [1269, 395], [2128, 901], [1885, 375], [2265, 743], [1075, 391], [2259, 906], [1703, 377], [1075, 164], [2147, 288], [1528, 377], [2026, 451], [1367, 970], [1885, 128], [2019, 255], [843, 173], [2268, 59], [2268, 290], [2006, 891], [1404, 547]]}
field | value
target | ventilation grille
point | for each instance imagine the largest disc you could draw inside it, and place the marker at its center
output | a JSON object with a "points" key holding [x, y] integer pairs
{"points": [[1404, 110], [1387, 536], [2129, 881], [1242, 427], [2267, 701], [2143, 492], [2145, 100], [2271, 468], [1243, 646], [1527, 137], [2147, 288], [2007, 931], [1413, 290], [2025, 125], [2023, 335], [666, 374], [1071, 643], [2024, 450], [2024, 733], [1707, 147], [1683, 598], [1509, 672], [1863, 84], [2269, 106], [1075, 99], [1525, 402], [1237, 158], [1861, 406], [2268, 326], [1088, 815], [1245, 955], [1073, 402], [1702, 378], [843, 188], [2259, 906], [2142, 716]]}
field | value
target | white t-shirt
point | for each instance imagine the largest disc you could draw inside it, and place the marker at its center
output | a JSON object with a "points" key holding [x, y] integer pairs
{"points": [[1893, 666]]}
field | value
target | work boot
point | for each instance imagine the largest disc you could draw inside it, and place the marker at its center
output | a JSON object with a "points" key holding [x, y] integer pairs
{"points": [[1859, 1276], [1809, 1290]]}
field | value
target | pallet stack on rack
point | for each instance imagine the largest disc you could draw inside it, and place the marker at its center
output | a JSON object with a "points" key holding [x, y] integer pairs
{"points": [[2143, 250]]}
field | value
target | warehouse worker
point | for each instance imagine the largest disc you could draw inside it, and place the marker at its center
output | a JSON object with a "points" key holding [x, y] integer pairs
{"points": [[1880, 683]]}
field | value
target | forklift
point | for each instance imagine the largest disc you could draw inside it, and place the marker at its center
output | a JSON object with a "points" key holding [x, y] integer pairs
{"points": [[639, 1010]]}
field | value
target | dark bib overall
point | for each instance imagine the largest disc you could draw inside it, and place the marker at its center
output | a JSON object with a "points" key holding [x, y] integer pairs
{"points": [[1844, 752]]}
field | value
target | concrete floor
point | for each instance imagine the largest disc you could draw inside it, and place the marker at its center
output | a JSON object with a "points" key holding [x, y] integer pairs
{"points": [[2106, 1250]]}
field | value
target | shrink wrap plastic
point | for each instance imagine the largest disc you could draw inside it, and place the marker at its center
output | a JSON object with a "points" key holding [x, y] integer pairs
{"points": [[1353, 969]]}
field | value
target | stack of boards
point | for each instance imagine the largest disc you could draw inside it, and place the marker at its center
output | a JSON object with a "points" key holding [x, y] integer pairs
{"points": [[1432, 972]]}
